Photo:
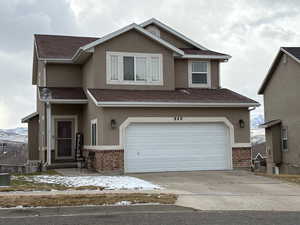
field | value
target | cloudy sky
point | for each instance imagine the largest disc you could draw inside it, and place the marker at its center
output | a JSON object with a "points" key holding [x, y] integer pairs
{"points": [[250, 31]]}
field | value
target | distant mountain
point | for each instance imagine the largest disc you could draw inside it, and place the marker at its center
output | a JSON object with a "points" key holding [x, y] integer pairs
{"points": [[18, 134], [256, 120]]}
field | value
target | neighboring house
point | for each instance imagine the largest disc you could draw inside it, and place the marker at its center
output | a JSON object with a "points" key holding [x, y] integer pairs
{"points": [[145, 98], [282, 111], [259, 151]]}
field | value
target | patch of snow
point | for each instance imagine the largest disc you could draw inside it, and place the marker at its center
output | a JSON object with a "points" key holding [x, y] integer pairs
{"points": [[123, 203], [107, 182], [18, 134]]}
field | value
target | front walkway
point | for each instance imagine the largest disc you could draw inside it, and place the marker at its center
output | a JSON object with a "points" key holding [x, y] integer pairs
{"points": [[228, 190]]}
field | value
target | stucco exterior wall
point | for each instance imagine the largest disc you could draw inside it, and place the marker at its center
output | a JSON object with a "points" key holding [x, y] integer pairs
{"points": [[281, 98], [131, 41], [111, 136], [33, 138], [167, 36], [63, 75], [181, 73]]}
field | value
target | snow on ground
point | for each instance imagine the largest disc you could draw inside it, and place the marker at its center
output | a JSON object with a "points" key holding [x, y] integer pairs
{"points": [[107, 182]]}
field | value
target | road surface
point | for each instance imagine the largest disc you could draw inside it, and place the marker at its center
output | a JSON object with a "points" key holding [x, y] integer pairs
{"points": [[142, 215]]}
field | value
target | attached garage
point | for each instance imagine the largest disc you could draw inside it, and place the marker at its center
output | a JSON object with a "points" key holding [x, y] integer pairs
{"points": [[156, 147]]}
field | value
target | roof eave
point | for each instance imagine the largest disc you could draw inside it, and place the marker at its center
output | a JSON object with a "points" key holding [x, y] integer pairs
{"points": [[188, 56], [30, 116], [170, 104]]}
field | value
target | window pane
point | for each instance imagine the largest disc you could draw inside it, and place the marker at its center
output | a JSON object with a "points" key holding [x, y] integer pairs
{"points": [[141, 68], [199, 66], [94, 133], [128, 67], [154, 68], [114, 67], [284, 145], [199, 78]]}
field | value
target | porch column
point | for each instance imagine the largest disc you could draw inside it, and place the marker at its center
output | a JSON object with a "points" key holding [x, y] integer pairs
{"points": [[49, 132]]}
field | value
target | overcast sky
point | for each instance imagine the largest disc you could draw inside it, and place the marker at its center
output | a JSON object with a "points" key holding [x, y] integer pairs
{"points": [[250, 31]]}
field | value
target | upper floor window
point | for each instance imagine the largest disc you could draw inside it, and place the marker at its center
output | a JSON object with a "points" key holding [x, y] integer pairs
{"points": [[199, 74], [134, 68]]}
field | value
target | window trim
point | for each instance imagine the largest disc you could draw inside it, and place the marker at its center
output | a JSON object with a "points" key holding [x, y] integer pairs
{"points": [[121, 80], [284, 137], [94, 121], [208, 84]]}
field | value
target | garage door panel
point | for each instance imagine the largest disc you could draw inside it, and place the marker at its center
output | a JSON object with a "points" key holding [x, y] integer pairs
{"points": [[176, 147]]}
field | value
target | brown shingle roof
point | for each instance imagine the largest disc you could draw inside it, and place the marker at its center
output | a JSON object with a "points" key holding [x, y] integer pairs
{"points": [[64, 93], [191, 95], [295, 51], [191, 51], [63, 47]]}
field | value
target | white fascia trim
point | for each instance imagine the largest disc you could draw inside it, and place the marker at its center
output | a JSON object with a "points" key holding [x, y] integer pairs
{"points": [[103, 147], [123, 30], [26, 118], [172, 31], [92, 97], [289, 54], [242, 145], [66, 101], [171, 104], [205, 57]]}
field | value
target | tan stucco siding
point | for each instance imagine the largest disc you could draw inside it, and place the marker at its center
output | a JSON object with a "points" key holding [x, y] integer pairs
{"points": [[172, 39], [33, 138], [131, 41], [281, 99], [181, 73], [111, 136], [88, 76], [91, 112], [63, 75]]}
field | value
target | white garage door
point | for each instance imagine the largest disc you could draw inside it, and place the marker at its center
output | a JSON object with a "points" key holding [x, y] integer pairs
{"points": [[177, 147]]}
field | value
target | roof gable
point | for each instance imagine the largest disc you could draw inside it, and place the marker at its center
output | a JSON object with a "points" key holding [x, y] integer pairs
{"points": [[293, 52], [172, 31], [125, 29]]}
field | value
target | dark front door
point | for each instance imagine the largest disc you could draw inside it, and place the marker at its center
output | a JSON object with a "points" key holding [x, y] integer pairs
{"points": [[64, 139]]}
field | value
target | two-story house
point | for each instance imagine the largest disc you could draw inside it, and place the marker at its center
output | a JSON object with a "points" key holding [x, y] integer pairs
{"points": [[145, 98], [281, 94]]}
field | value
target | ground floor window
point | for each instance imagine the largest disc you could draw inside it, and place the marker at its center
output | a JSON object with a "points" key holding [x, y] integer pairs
{"points": [[94, 132], [284, 138]]}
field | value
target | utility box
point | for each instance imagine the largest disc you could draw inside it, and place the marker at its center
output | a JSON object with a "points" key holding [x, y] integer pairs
{"points": [[4, 179]]}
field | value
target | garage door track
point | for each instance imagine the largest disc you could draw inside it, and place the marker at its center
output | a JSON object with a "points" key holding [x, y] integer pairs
{"points": [[228, 190]]}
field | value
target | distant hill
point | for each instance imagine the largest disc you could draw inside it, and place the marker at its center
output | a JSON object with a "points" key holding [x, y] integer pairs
{"points": [[18, 134], [256, 120]]}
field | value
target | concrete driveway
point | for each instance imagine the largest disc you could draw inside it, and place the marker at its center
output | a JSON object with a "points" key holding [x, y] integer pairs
{"points": [[228, 190]]}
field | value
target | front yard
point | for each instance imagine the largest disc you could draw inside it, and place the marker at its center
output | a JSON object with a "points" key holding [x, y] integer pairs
{"points": [[84, 199], [43, 183], [52, 181]]}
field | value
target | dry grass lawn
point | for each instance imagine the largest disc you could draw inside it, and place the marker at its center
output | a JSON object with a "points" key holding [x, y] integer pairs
{"points": [[84, 199], [19, 183]]}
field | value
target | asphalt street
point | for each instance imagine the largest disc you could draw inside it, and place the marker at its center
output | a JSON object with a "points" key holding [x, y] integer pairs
{"points": [[142, 215]]}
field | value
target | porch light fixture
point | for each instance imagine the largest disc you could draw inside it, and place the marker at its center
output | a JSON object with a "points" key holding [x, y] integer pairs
{"points": [[242, 123], [113, 123]]}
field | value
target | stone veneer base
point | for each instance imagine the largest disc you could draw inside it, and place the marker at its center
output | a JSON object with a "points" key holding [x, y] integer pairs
{"points": [[112, 161]]}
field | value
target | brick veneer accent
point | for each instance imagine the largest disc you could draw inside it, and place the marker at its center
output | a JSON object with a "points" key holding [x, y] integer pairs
{"points": [[241, 157], [106, 160]]}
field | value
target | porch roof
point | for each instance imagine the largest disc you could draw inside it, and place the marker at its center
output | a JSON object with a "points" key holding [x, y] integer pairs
{"points": [[26, 119], [198, 96], [74, 95], [270, 123]]}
